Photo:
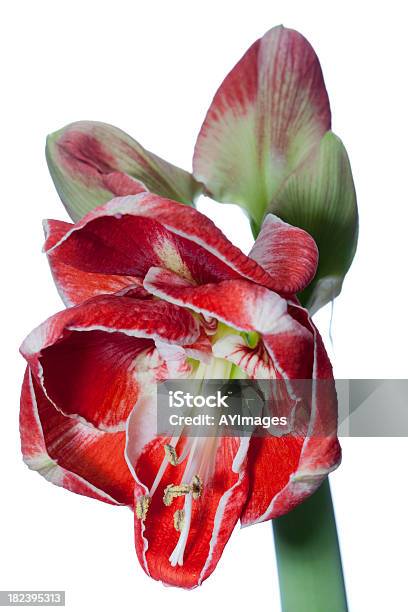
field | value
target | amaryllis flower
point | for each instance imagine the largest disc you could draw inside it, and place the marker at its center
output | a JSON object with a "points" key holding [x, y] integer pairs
{"points": [[155, 291], [265, 144]]}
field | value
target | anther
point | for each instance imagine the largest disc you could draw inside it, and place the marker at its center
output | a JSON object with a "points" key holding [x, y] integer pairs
{"points": [[196, 487], [171, 454], [142, 506], [172, 491], [179, 517]]}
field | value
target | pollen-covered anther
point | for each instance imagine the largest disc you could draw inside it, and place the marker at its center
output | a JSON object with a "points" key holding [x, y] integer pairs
{"points": [[142, 506], [171, 454], [179, 518], [196, 487], [172, 491]]}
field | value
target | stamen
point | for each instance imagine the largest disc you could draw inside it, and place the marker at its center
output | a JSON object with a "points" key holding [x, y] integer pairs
{"points": [[163, 467], [179, 519], [142, 506], [177, 556]]}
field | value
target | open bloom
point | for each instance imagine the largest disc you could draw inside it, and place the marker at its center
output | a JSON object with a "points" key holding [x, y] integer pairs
{"points": [[265, 144], [155, 291]]}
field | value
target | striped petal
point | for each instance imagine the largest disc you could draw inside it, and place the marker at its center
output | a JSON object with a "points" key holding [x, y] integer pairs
{"points": [[71, 454], [238, 303], [284, 471], [76, 285], [288, 253], [285, 349], [254, 361], [179, 541], [93, 359], [268, 115], [115, 245], [91, 162]]}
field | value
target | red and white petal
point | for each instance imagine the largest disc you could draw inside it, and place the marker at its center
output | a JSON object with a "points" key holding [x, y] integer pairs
{"points": [[71, 454], [274, 102], [254, 361], [129, 235], [288, 253], [239, 303], [175, 358], [92, 162], [93, 359], [291, 350], [285, 471], [144, 319], [75, 284], [187, 223], [186, 559], [54, 231]]}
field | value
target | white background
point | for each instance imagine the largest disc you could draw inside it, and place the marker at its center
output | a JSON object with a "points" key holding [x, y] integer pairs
{"points": [[152, 69]]}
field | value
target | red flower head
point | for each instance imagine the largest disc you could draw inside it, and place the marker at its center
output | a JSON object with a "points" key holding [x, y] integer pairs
{"points": [[155, 291]]}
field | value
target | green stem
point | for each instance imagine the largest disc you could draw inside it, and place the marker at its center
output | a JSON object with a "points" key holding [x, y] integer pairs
{"points": [[308, 557]]}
